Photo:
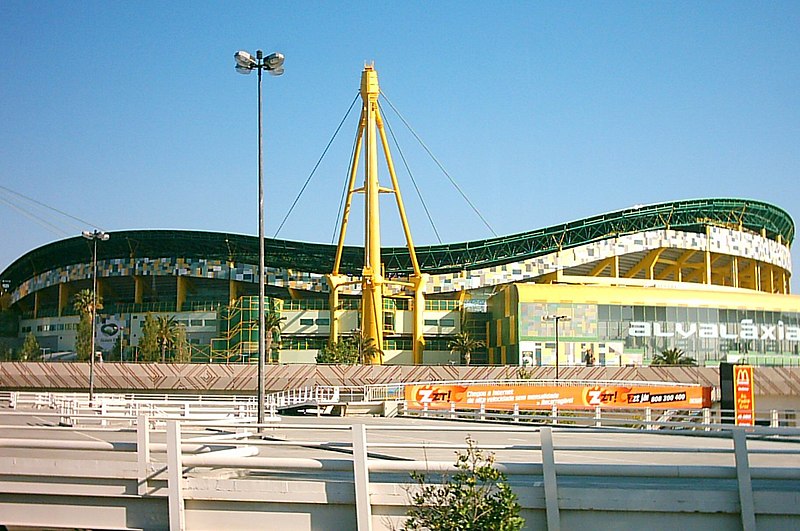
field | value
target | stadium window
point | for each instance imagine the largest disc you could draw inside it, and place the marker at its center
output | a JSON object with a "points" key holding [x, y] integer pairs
{"points": [[447, 322], [627, 313], [431, 322], [323, 322], [306, 322]]}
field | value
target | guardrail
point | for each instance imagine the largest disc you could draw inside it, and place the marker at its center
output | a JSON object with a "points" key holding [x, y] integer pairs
{"points": [[707, 419], [316, 395], [235, 480], [76, 408]]}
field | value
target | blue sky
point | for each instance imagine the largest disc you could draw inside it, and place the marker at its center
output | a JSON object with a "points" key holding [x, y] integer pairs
{"points": [[129, 114]]}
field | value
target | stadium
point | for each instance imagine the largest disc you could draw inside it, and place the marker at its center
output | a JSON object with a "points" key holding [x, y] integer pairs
{"points": [[707, 276]]}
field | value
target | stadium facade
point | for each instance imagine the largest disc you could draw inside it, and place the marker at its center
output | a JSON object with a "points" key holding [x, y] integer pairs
{"points": [[708, 276]]}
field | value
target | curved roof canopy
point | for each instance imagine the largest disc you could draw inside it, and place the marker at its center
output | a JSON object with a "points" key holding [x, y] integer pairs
{"points": [[691, 216]]}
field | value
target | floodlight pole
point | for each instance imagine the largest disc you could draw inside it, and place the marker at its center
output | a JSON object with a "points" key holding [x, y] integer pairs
{"points": [[94, 236], [273, 64], [261, 276], [556, 319]]}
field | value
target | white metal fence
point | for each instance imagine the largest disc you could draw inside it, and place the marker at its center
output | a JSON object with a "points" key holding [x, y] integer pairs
{"points": [[200, 479]]}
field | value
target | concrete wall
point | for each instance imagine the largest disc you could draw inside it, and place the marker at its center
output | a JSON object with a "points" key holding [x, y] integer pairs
{"points": [[779, 385]]}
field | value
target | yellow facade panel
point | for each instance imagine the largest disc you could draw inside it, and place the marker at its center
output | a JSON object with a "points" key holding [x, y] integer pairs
{"points": [[653, 296]]}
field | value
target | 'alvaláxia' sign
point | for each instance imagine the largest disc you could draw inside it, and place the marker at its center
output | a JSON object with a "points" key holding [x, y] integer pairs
{"points": [[747, 330]]}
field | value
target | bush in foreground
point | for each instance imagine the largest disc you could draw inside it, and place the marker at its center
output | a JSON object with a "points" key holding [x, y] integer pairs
{"points": [[476, 497]]}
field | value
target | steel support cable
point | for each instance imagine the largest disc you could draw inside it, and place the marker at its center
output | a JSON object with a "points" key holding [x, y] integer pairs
{"points": [[411, 175], [439, 164], [314, 170], [83, 223], [345, 191]]}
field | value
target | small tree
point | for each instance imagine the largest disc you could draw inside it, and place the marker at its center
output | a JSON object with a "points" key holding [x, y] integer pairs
{"points": [[343, 352], [148, 341], [464, 345], [83, 303], [30, 348], [181, 344], [83, 338], [673, 356], [476, 497]]}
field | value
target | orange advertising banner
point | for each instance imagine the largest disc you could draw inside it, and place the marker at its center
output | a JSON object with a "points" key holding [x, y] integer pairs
{"points": [[533, 396], [745, 399]]}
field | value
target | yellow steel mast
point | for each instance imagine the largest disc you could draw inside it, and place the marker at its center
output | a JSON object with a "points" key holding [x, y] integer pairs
{"points": [[372, 280]]}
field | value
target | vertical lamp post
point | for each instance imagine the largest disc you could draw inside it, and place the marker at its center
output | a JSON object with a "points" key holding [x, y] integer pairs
{"points": [[94, 236], [273, 63], [556, 319]]}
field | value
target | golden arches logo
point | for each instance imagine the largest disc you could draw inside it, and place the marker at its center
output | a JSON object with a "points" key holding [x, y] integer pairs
{"points": [[743, 375]]}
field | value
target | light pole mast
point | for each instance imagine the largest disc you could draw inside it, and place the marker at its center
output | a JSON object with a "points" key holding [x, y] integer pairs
{"points": [[273, 64], [94, 236]]}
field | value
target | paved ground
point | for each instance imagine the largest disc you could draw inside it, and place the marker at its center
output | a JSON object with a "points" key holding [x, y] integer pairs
{"points": [[431, 440]]}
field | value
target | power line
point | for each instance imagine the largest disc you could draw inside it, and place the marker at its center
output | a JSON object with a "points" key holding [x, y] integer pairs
{"points": [[41, 220]]}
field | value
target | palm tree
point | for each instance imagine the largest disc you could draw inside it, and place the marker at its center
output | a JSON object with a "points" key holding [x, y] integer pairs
{"points": [[366, 347], [165, 334], [272, 324], [673, 356], [464, 345], [83, 301]]}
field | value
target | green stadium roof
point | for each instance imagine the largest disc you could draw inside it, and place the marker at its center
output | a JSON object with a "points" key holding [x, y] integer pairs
{"points": [[690, 215]]}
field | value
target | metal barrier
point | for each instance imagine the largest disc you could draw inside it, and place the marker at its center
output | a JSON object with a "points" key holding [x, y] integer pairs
{"points": [[706, 419], [76, 408], [234, 480], [312, 396]]}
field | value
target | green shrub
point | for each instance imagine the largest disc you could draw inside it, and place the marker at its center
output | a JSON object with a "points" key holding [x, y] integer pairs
{"points": [[476, 497]]}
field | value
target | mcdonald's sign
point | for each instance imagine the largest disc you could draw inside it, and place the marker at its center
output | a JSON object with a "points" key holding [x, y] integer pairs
{"points": [[745, 408]]}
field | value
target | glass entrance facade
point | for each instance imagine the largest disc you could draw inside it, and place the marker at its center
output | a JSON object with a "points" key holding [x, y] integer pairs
{"points": [[630, 333]]}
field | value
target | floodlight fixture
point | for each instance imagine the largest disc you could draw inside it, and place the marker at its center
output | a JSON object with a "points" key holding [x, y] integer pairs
{"points": [[273, 63], [244, 59]]}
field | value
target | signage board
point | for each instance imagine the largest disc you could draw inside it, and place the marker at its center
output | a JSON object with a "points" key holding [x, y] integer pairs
{"points": [[744, 400], [435, 396]]}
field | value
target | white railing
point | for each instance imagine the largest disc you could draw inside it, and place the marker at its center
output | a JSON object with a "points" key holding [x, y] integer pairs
{"points": [[76, 408], [706, 419], [312, 396], [280, 483]]}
